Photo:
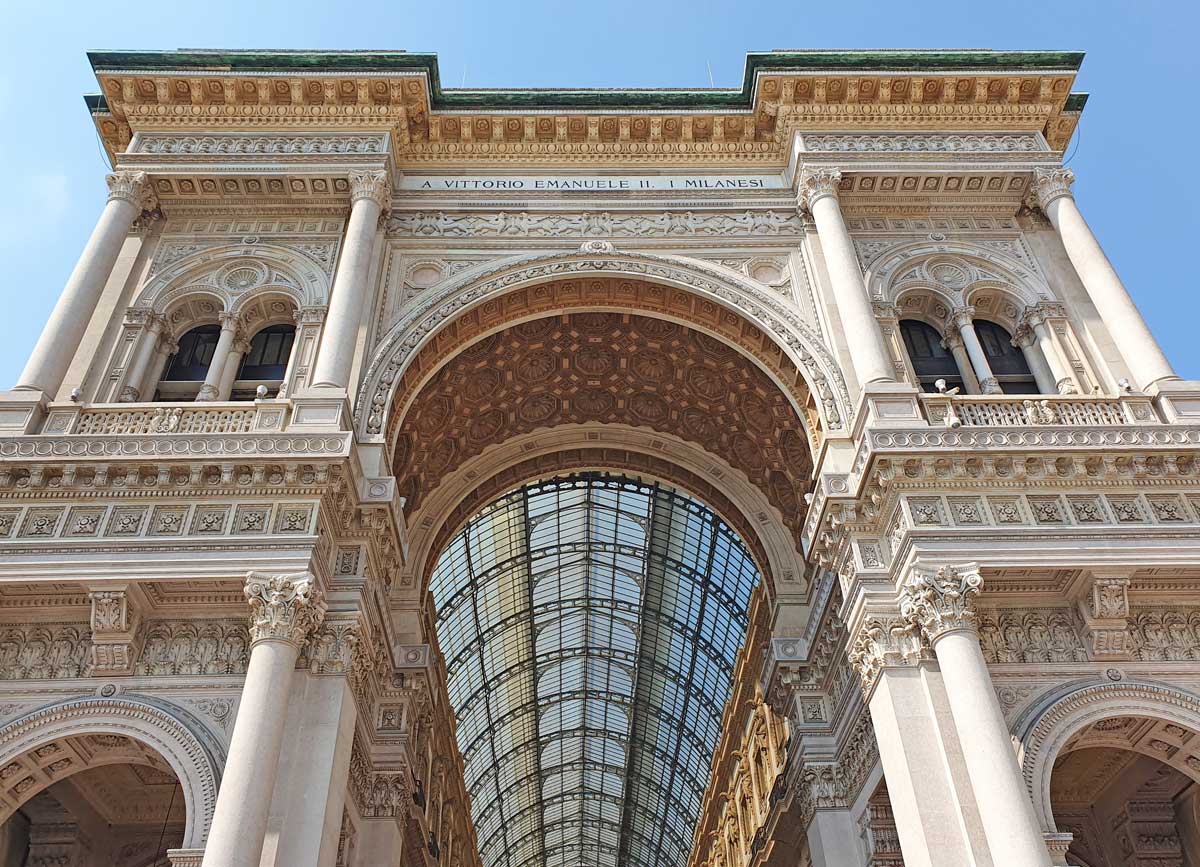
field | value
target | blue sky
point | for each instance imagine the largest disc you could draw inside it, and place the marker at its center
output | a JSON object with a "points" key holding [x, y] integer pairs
{"points": [[1137, 181]]}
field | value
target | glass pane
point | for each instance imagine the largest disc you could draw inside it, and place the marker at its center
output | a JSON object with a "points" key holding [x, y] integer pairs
{"points": [[590, 626]]}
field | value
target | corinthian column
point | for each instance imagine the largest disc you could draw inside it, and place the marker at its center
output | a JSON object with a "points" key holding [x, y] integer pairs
{"points": [[211, 390], [818, 193], [370, 193], [964, 321], [1140, 350], [283, 610], [939, 604], [129, 194]]}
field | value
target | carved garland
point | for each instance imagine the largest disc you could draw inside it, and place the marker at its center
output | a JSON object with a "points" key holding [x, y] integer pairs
{"points": [[168, 730], [426, 320]]}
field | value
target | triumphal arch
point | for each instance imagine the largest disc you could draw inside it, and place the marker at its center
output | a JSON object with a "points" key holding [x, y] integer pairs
{"points": [[762, 477]]}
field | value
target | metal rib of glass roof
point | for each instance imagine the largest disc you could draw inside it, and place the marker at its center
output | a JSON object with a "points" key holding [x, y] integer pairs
{"points": [[590, 626]]}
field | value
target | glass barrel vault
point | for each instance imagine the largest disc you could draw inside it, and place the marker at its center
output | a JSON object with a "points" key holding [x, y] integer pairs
{"points": [[590, 626]]}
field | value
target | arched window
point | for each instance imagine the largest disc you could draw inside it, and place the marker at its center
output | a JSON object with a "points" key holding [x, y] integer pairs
{"points": [[190, 363], [930, 360], [269, 352], [1006, 361]]}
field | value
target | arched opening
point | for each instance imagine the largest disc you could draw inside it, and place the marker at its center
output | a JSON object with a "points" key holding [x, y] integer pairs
{"points": [[1126, 788], [188, 365], [930, 358], [590, 625], [608, 369], [96, 798], [265, 362], [1007, 362]]}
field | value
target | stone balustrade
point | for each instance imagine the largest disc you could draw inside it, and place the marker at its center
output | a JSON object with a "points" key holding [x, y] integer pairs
{"points": [[1020, 410], [166, 418]]}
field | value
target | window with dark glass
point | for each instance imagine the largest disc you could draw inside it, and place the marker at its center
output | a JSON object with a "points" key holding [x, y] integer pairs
{"points": [[930, 360], [1006, 361], [190, 363], [268, 355]]}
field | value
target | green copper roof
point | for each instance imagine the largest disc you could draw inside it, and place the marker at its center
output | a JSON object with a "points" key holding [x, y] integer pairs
{"points": [[643, 98]]}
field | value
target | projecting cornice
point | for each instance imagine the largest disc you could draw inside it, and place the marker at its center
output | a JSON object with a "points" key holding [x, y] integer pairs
{"points": [[781, 92]]}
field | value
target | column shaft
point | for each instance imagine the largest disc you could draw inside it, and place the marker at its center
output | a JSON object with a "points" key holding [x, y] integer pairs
{"points": [[953, 342], [867, 350], [211, 390], [1064, 377], [229, 372], [1009, 822], [143, 354], [979, 362], [285, 608], [335, 358], [939, 603], [1124, 321], [64, 331], [1026, 340], [239, 824], [921, 761]]}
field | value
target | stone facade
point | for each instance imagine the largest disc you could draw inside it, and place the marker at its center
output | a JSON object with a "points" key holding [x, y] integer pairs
{"points": [[975, 637]]}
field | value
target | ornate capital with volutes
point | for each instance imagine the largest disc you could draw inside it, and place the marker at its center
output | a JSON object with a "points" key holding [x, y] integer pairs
{"points": [[131, 187], [939, 602], [962, 317], [229, 321], [373, 185], [883, 642], [1050, 184], [816, 184], [283, 607]]}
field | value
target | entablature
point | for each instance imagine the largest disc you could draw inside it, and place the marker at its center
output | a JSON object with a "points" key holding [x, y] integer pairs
{"points": [[782, 92]]}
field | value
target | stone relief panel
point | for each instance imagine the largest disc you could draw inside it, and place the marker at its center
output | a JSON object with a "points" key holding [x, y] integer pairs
{"points": [[190, 647], [591, 224], [407, 274], [316, 237], [42, 651]]}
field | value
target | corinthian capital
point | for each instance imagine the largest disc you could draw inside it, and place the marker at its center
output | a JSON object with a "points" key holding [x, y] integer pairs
{"points": [[940, 602], [961, 317], [131, 187], [1050, 184], [283, 607], [373, 185], [883, 642], [815, 184]]}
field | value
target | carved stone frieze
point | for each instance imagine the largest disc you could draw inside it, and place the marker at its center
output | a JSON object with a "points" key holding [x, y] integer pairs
{"points": [[225, 144], [43, 651], [191, 647], [605, 224], [283, 607], [917, 143]]}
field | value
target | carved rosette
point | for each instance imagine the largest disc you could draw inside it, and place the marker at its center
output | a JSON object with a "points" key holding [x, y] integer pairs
{"points": [[1051, 184], [883, 642], [816, 184], [131, 187], [283, 607], [940, 602], [373, 185]]}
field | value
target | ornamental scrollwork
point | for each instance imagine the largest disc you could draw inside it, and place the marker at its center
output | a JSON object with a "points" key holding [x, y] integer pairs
{"points": [[1051, 184], [283, 607], [816, 184], [940, 602]]}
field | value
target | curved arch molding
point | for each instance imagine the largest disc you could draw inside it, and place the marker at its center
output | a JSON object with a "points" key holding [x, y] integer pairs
{"points": [[173, 733]]}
